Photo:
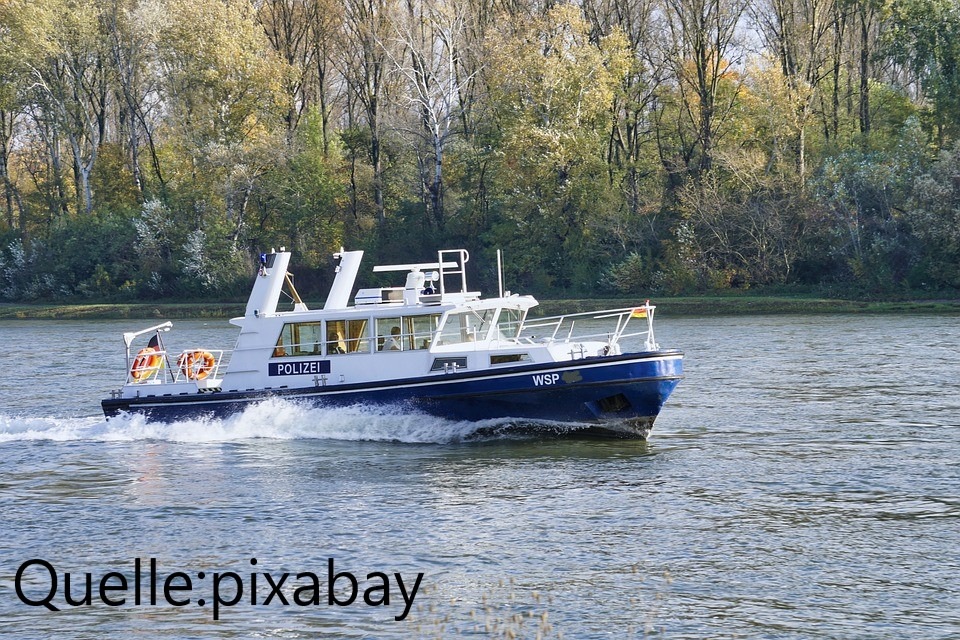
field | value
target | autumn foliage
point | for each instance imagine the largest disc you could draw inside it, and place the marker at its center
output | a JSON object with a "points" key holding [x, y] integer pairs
{"points": [[150, 148]]}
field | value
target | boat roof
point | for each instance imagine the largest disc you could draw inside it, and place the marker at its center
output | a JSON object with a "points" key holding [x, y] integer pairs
{"points": [[429, 287]]}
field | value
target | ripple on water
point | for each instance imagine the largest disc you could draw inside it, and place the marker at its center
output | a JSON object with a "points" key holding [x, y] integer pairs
{"points": [[801, 482]]}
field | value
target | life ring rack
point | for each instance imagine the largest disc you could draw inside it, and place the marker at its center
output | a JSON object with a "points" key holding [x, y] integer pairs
{"points": [[146, 364], [196, 364]]}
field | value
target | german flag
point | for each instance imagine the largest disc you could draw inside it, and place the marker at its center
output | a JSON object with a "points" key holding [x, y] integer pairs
{"points": [[640, 312]]}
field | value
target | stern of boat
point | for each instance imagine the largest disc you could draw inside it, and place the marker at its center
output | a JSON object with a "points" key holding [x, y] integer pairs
{"points": [[153, 372]]}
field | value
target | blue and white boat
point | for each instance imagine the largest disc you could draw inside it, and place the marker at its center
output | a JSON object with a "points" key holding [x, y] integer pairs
{"points": [[431, 345]]}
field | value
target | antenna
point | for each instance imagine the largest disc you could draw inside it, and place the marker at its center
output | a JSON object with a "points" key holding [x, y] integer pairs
{"points": [[500, 271]]}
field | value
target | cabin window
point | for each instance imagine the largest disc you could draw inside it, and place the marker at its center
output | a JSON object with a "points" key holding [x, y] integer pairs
{"points": [[508, 358], [347, 336], [468, 326], [407, 333], [421, 329], [508, 324], [299, 339], [390, 335]]}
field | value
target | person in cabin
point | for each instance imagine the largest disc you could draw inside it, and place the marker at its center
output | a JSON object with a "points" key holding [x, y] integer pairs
{"points": [[334, 340], [393, 344]]}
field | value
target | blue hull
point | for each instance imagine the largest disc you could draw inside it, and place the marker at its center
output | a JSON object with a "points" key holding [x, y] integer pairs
{"points": [[616, 395]]}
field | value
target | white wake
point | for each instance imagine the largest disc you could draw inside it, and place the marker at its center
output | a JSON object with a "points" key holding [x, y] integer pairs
{"points": [[277, 419]]}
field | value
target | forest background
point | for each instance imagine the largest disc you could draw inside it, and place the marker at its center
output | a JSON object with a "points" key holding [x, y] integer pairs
{"points": [[150, 149]]}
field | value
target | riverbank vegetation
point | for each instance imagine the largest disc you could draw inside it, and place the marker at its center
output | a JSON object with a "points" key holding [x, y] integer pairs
{"points": [[150, 149], [669, 307]]}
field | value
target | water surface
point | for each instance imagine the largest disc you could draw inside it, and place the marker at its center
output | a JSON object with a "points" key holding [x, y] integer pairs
{"points": [[803, 481]]}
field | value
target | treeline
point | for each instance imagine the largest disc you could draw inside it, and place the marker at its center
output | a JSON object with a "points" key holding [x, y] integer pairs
{"points": [[150, 148]]}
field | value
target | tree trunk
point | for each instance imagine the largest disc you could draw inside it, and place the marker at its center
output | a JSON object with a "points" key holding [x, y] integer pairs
{"points": [[6, 131], [865, 20], [377, 163], [802, 153], [436, 189]]}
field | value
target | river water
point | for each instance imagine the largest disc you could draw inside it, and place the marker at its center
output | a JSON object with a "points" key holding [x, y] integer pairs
{"points": [[802, 482]]}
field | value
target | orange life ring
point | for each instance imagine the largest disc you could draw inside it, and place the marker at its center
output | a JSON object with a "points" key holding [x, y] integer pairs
{"points": [[196, 365], [145, 364]]}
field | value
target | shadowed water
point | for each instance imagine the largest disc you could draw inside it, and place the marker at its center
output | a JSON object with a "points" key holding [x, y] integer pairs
{"points": [[803, 481]]}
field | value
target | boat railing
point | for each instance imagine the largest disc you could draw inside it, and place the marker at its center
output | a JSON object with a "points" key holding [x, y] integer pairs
{"points": [[198, 364], [148, 366], [564, 328], [194, 365]]}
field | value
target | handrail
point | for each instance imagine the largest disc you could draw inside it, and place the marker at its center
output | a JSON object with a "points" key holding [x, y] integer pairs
{"points": [[163, 371], [147, 367], [183, 372], [623, 316], [458, 268]]}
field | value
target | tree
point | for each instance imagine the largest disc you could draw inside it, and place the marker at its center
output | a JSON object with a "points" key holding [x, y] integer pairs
{"points": [[364, 62], [867, 19], [798, 33], [223, 103], [703, 49], [13, 88], [746, 231], [933, 214], [301, 32], [554, 88], [430, 34], [67, 60], [865, 191], [130, 43], [300, 201], [924, 37], [631, 142]]}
